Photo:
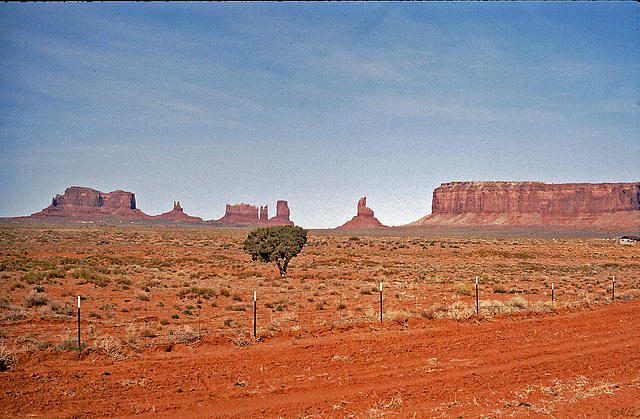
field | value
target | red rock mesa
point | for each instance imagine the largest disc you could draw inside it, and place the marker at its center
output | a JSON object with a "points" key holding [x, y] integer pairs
{"points": [[534, 204], [86, 203], [250, 215]]}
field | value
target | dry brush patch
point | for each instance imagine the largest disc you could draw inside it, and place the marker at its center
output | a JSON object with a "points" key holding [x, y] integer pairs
{"points": [[201, 278]]}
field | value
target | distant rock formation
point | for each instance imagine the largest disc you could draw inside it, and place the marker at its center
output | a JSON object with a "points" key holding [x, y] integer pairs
{"points": [[534, 204], [86, 203], [250, 215], [177, 214], [282, 215], [364, 217], [240, 214]]}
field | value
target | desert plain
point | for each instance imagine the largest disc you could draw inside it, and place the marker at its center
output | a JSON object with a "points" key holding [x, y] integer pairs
{"points": [[167, 324]]}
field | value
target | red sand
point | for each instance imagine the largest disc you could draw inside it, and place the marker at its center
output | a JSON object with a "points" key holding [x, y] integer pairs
{"points": [[579, 363]]}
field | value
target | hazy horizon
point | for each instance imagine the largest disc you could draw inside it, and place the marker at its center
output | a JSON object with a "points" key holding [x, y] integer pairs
{"points": [[318, 104]]}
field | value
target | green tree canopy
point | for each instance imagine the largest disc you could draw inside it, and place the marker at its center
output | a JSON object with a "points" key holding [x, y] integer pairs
{"points": [[277, 244]]}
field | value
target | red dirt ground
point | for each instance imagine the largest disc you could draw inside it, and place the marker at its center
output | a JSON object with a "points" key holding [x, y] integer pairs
{"points": [[580, 363], [577, 358]]}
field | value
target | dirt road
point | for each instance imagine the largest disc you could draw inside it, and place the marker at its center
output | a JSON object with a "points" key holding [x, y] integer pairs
{"points": [[583, 362]]}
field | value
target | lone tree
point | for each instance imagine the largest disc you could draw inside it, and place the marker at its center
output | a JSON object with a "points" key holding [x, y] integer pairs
{"points": [[277, 244]]}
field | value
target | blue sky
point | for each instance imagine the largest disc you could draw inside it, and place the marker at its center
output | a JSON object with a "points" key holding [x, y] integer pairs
{"points": [[318, 104]]}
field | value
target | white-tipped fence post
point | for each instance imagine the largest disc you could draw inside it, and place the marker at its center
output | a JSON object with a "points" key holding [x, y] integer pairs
{"points": [[381, 302], [78, 322], [255, 307], [613, 290], [477, 304], [552, 292]]}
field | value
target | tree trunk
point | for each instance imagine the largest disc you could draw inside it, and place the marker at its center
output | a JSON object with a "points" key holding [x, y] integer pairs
{"points": [[282, 268]]}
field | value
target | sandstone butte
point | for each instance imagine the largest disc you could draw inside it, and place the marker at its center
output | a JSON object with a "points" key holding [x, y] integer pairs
{"points": [[177, 214], [534, 204], [81, 203], [87, 204], [364, 217], [249, 215]]}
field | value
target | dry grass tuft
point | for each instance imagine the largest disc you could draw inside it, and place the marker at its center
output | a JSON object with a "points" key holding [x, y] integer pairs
{"points": [[36, 298], [7, 360], [243, 339], [111, 347]]}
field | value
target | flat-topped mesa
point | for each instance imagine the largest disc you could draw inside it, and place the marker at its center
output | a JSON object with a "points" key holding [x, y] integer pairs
{"points": [[282, 215], [600, 206], [535, 197], [241, 214], [177, 214], [364, 217], [86, 203]]}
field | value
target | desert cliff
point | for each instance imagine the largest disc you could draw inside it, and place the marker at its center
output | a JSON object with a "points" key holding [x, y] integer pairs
{"points": [[86, 203], [534, 204]]}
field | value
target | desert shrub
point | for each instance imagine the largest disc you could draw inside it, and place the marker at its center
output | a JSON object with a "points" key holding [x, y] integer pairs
{"points": [[400, 316], [436, 311], [628, 295], [123, 281], [242, 339], [143, 296], [56, 273], [543, 307], [131, 334], [518, 302], [460, 311], [342, 306], [4, 303], [54, 305], [17, 285], [499, 289], [203, 292], [15, 315], [236, 297], [7, 360], [148, 332], [224, 292], [67, 341], [111, 347], [249, 274], [462, 289], [89, 276], [32, 277], [36, 298], [182, 334]]}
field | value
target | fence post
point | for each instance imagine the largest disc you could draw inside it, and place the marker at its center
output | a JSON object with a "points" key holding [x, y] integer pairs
{"points": [[255, 307], [477, 304], [79, 322], [552, 292], [613, 290], [381, 302]]}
